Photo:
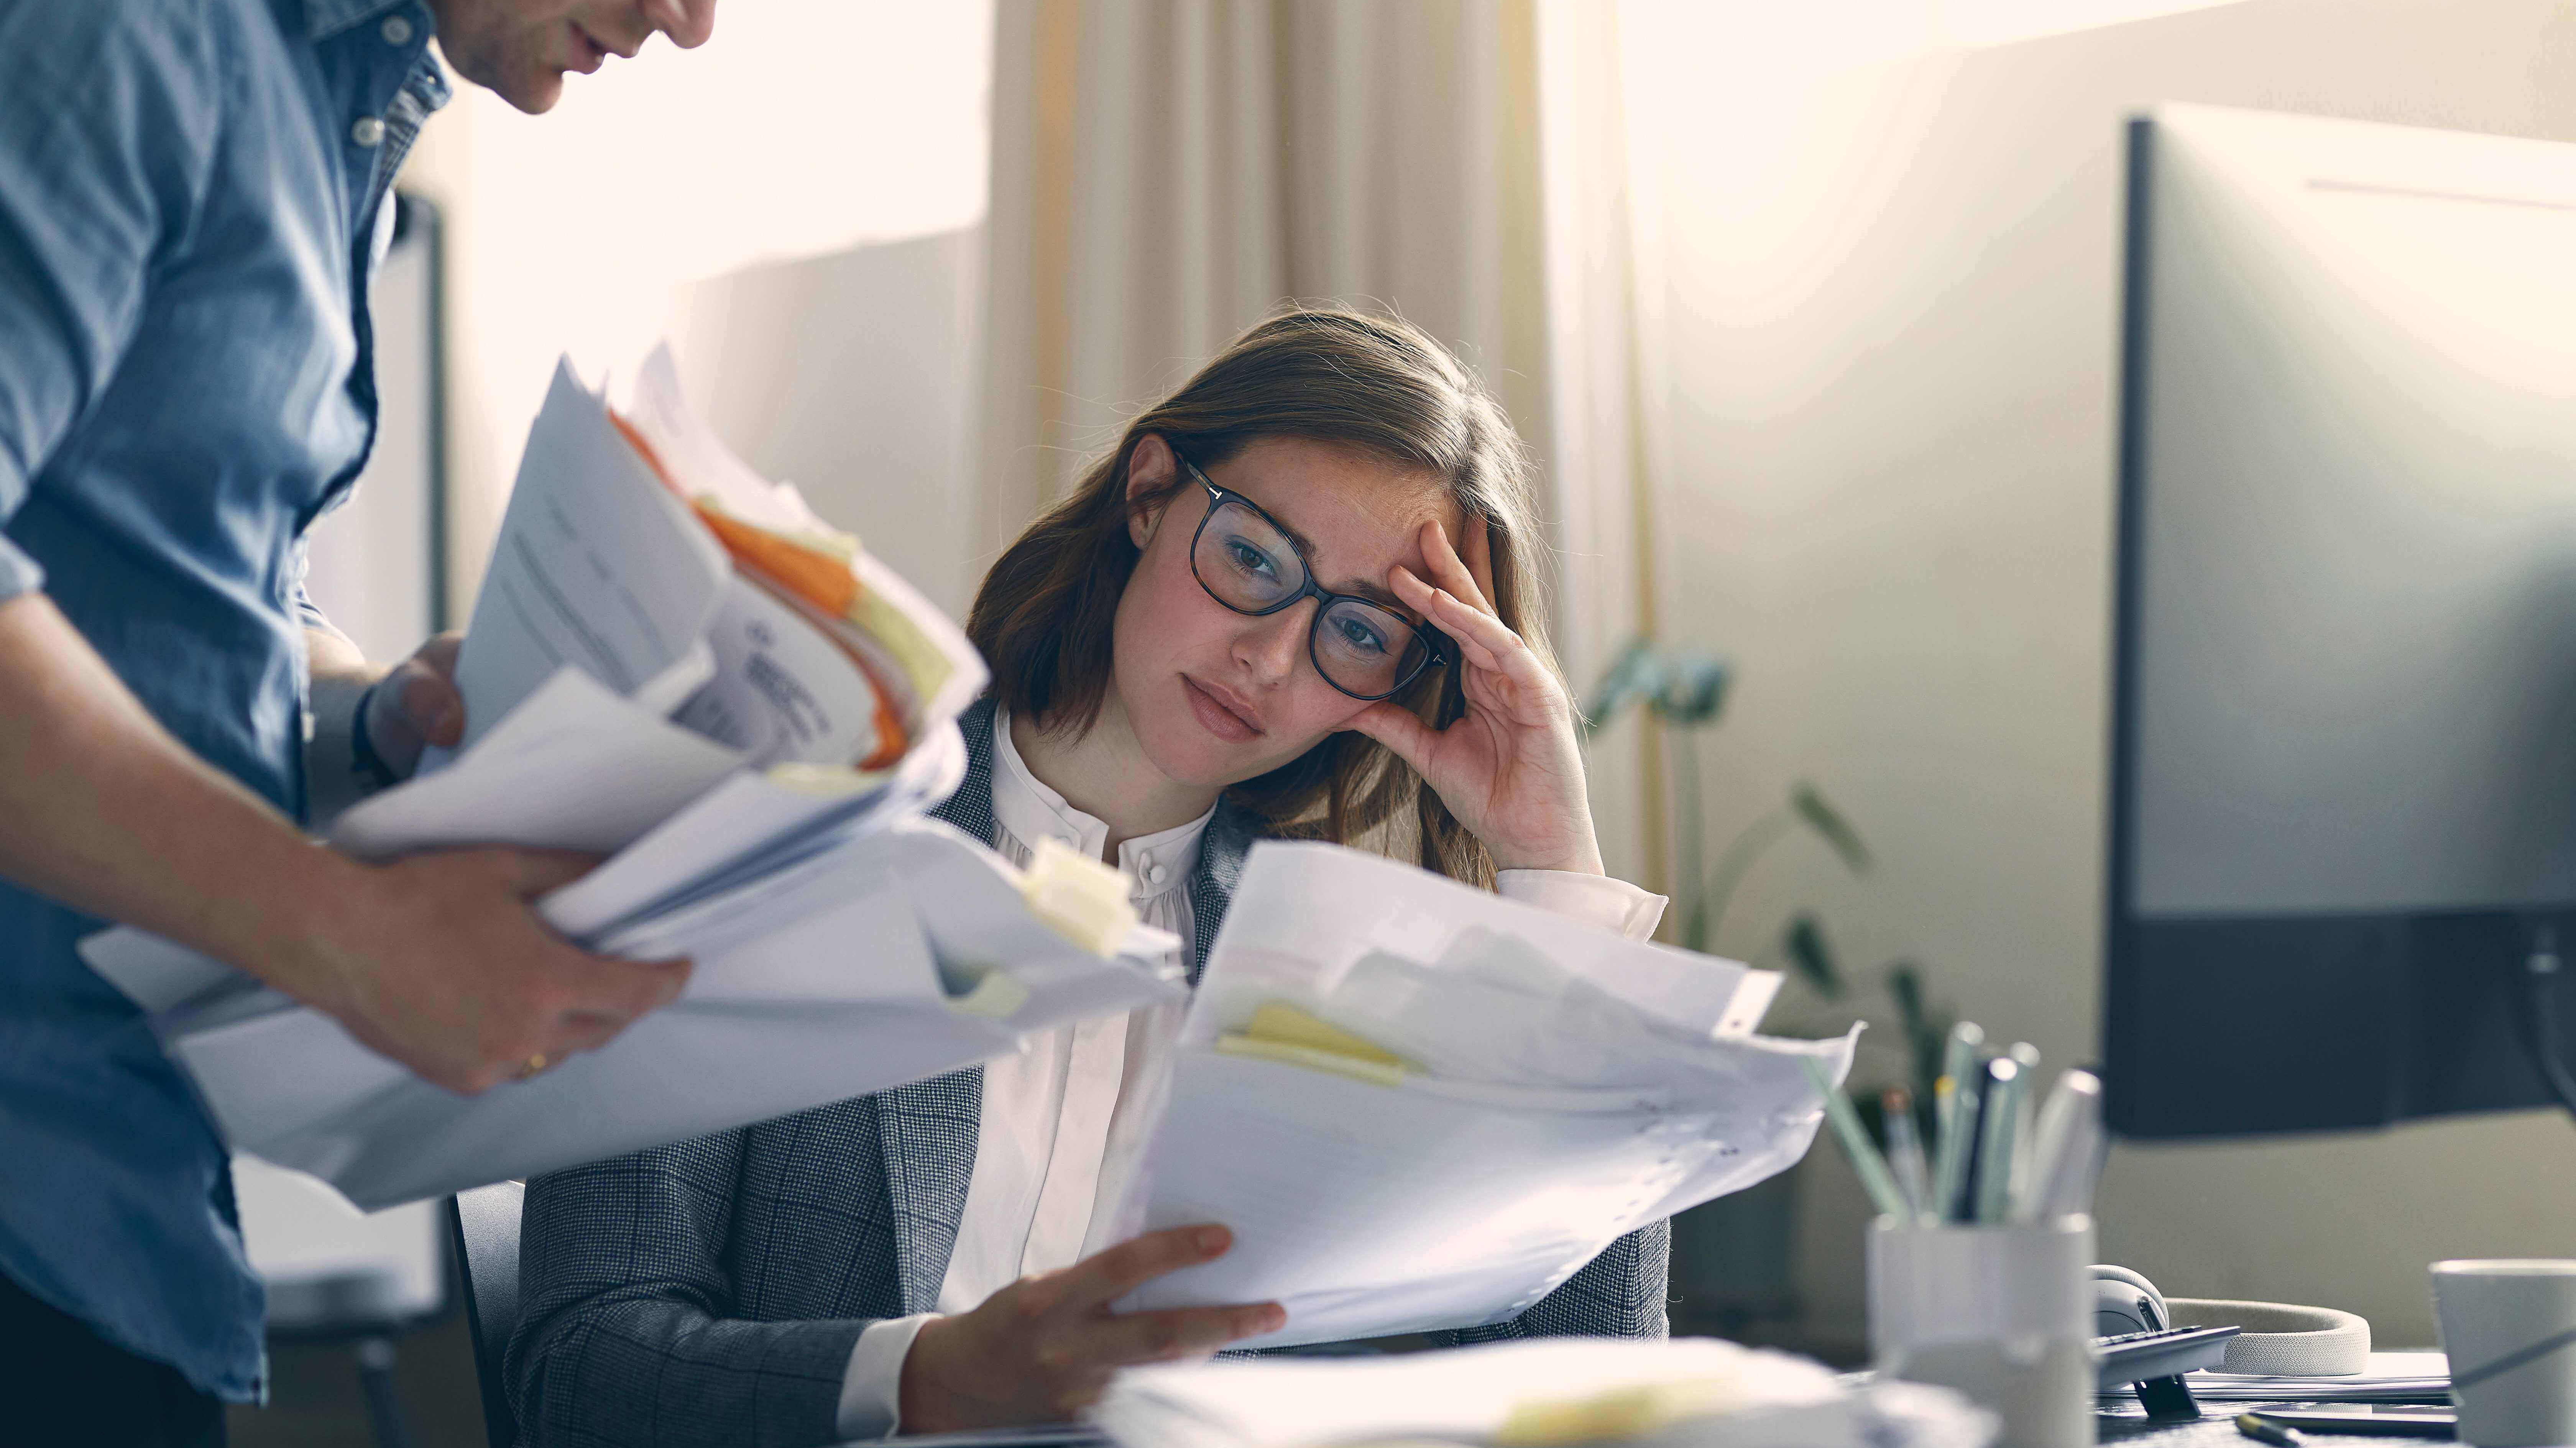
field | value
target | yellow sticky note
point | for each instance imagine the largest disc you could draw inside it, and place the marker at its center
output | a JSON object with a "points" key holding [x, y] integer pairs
{"points": [[1286, 1024], [1078, 897], [996, 996], [1622, 1413], [1283, 1033], [1235, 1043], [823, 781]]}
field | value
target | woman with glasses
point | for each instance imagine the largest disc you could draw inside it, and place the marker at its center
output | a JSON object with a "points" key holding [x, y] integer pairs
{"points": [[1296, 600]]}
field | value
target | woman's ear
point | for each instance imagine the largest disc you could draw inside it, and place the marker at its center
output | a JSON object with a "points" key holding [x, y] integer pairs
{"points": [[1149, 473]]}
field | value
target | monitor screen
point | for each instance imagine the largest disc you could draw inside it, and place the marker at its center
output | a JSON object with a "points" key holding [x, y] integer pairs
{"points": [[2344, 740]]}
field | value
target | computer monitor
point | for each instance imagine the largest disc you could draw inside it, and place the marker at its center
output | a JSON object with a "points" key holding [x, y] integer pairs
{"points": [[2343, 758]]}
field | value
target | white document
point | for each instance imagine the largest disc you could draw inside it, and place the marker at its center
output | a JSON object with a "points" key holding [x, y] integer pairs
{"points": [[1696, 1391], [1380, 907], [740, 828], [853, 995], [843, 945], [154, 973], [574, 767], [598, 566], [1563, 1086], [689, 449], [793, 680], [781, 690], [2390, 1377]]}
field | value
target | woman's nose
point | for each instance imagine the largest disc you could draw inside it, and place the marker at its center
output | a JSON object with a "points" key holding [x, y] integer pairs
{"points": [[1270, 646]]}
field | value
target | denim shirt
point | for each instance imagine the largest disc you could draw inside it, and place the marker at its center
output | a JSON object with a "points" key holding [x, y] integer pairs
{"points": [[193, 197]]}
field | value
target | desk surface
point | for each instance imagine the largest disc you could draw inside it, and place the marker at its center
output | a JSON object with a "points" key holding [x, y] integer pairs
{"points": [[1044, 1436], [2217, 1429]]}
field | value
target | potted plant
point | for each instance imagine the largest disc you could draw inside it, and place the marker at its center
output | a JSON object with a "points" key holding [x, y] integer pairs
{"points": [[1732, 1257]]}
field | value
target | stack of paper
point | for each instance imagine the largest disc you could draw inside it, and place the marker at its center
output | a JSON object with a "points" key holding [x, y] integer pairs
{"points": [[674, 662], [1426, 1106], [2393, 1377], [1695, 1391]]}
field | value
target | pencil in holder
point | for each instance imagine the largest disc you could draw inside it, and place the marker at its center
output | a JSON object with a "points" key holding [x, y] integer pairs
{"points": [[2003, 1314]]}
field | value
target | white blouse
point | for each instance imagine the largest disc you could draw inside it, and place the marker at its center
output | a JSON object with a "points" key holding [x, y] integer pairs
{"points": [[1063, 1118]]}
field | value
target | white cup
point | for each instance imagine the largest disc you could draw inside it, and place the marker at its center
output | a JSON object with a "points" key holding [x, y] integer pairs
{"points": [[2509, 1327], [2003, 1314]]}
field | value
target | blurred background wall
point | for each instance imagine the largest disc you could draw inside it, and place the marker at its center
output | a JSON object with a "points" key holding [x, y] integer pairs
{"points": [[1809, 311], [1892, 304], [809, 129]]}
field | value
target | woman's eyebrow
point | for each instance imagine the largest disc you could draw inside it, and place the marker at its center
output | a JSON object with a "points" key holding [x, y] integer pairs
{"points": [[1305, 545], [1374, 592], [1370, 589]]}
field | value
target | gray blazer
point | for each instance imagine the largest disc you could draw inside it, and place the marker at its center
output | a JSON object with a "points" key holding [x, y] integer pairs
{"points": [[711, 1292]]}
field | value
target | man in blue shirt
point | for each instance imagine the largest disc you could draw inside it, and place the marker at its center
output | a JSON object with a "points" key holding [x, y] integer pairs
{"points": [[193, 196]]}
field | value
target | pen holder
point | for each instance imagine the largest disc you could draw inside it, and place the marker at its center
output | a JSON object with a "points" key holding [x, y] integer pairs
{"points": [[2002, 1314]]}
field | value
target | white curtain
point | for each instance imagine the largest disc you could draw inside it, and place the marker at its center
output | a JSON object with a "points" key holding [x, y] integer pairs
{"points": [[1166, 171], [1599, 184]]}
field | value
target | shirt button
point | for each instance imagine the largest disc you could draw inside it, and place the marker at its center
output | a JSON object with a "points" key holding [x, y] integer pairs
{"points": [[1154, 873], [396, 30], [369, 131]]}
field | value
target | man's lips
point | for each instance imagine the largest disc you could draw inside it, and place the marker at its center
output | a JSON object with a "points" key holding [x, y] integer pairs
{"points": [[1221, 711], [591, 52]]}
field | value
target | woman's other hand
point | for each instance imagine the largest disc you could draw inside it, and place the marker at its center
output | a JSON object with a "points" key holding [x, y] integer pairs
{"points": [[1510, 769], [1043, 1348]]}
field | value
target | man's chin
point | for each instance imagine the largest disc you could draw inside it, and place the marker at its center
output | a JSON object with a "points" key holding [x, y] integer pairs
{"points": [[533, 89], [534, 94]]}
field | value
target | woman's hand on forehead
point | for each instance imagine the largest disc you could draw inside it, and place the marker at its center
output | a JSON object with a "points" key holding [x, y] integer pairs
{"points": [[1511, 768]]}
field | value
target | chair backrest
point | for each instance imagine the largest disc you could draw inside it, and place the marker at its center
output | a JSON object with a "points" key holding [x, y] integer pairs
{"points": [[484, 1225], [331, 1273]]}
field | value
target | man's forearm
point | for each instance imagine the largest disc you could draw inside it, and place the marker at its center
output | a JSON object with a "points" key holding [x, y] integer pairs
{"points": [[101, 809]]}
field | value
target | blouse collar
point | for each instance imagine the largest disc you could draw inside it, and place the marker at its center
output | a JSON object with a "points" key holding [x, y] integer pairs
{"points": [[1030, 810]]}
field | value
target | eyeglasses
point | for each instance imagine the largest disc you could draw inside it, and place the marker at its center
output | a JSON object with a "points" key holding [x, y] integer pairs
{"points": [[1249, 563]]}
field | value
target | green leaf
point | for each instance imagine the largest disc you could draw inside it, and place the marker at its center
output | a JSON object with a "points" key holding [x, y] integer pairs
{"points": [[1828, 822], [1872, 1111], [1926, 1031], [1905, 985], [1695, 926], [1811, 955], [1638, 673], [1694, 690]]}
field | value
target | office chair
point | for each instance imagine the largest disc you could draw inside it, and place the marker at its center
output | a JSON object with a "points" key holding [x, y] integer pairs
{"points": [[334, 1280], [483, 1224]]}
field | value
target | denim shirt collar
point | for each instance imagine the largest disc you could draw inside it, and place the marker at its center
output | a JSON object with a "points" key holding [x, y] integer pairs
{"points": [[326, 18]]}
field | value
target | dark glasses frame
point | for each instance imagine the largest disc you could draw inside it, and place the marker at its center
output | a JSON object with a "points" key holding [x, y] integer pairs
{"points": [[1435, 645]]}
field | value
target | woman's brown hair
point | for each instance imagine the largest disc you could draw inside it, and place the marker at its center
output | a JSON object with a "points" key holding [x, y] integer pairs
{"points": [[1380, 385]]}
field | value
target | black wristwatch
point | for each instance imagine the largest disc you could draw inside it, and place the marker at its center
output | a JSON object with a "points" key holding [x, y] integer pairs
{"points": [[364, 762]]}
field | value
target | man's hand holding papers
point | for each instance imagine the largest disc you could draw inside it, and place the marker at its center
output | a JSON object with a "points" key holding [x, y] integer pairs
{"points": [[382, 948], [424, 970], [675, 665], [416, 706]]}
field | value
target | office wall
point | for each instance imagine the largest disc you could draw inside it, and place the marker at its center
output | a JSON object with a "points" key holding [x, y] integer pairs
{"points": [[848, 375], [803, 129], [1893, 300]]}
